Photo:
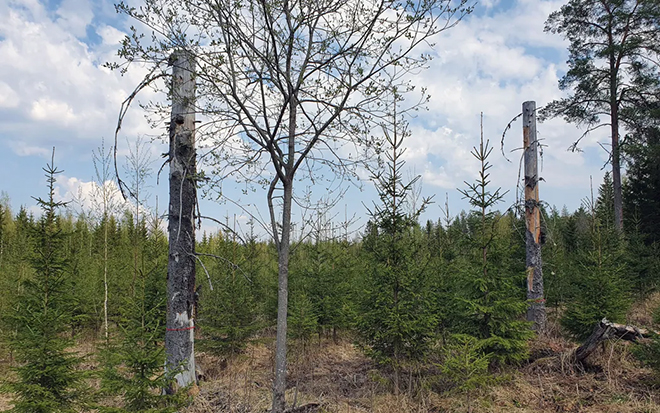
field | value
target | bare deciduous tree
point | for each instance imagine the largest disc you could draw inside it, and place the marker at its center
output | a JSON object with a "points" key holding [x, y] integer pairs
{"points": [[287, 86], [105, 198]]}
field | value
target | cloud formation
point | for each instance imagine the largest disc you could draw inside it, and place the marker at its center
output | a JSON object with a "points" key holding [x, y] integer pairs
{"points": [[492, 62], [55, 90]]}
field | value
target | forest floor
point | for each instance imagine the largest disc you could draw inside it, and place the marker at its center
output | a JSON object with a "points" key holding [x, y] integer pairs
{"points": [[339, 378], [329, 376]]}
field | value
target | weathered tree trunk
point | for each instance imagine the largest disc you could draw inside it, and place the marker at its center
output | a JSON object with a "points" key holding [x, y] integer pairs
{"points": [[179, 336], [605, 330], [536, 310]]}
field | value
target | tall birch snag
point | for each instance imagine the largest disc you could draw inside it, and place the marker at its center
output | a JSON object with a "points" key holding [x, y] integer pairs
{"points": [[536, 310], [179, 336]]}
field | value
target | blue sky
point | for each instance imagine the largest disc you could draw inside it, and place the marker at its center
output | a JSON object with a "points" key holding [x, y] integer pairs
{"points": [[55, 92]]}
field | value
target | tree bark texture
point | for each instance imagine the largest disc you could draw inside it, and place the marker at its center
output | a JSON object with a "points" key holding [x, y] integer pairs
{"points": [[105, 264], [279, 385], [179, 335], [616, 162], [536, 310]]}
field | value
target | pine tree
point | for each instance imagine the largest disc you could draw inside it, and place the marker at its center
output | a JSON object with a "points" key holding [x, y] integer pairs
{"points": [[612, 72], [46, 377]]}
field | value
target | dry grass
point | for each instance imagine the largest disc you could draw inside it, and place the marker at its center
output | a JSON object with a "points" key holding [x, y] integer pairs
{"points": [[641, 312], [336, 377], [5, 363], [340, 379]]}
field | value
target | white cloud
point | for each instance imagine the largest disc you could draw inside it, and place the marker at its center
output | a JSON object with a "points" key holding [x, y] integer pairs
{"points": [[52, 86], [110, 35], [488, 4], [492, 64], [75, 16], [60, 80], [23, 149], [8, 97], [49, 110], [87, 196]]}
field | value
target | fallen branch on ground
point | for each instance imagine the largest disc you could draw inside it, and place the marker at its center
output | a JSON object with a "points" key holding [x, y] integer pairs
{"points": [[606, 330]]}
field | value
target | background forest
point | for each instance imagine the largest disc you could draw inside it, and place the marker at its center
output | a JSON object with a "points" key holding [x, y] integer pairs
{"points": [[437, 306], [398, 315]]}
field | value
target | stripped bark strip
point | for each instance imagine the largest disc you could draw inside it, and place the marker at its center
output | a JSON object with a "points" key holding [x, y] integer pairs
{"points": [[536, 310]]}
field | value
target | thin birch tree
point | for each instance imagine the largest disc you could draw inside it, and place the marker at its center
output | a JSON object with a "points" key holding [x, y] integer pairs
{"points": [[106, 194]]}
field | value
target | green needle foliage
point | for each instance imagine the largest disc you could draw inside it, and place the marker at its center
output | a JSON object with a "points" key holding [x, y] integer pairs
{"points": [[46, 376], [648, 351], [325, 271], [228, 315], [303, 322], [396, 321], [601, 286], [133, 361], [612, 71], [464, 366], [489, 287], [133, 366]]}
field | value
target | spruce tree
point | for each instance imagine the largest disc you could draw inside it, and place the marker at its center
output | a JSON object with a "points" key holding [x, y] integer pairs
{"points": [[303, 320], [228, 313], [87, 314], [490, 297], [46, 376], [641, 196], [601, 287], [324, 271], [642, 188], [612, 71], [133, 361], [396, 321], [464, 366]]}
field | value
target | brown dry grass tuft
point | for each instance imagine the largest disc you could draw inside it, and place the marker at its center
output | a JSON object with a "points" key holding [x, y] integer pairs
{"points": [[641, 312], [238, 384]]}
